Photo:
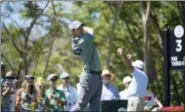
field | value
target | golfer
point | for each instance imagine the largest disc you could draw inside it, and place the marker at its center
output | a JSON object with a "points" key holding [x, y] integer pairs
{"points": [[90, 80]]}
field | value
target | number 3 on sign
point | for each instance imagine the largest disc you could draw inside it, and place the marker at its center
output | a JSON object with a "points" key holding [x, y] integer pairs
{"points": [[179, 45]]}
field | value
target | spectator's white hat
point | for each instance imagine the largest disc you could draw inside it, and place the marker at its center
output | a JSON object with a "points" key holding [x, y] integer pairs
{"points": [[29, 77], [51, 76], [75, 25], [138, 64], [127, 79], [64, 75]]}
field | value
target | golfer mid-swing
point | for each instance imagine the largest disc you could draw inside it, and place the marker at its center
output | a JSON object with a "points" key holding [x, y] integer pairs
{"points": [[90, 80]]}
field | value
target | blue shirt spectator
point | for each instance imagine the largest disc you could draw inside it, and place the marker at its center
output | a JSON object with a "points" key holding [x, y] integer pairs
{"points": [[109, 91]]}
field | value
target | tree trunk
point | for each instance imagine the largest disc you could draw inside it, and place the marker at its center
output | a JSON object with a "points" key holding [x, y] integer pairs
{"points": [[26, 36], [52, 41], [110, 38], [149, 63]]}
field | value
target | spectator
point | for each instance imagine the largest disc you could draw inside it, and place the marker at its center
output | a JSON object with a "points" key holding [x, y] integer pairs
{"points": [[151, 102], [41, 99], [26, 99], [70, 91], [126, 81], [137, 87], [8, 90], [11, 77], [55, 99], [2, 78], [109, 92]]}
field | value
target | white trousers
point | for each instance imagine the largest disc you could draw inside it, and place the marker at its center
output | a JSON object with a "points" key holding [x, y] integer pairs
{"points": [[135, 104]]}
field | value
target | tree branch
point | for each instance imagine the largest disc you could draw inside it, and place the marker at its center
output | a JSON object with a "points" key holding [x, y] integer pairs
{"points": [[13, 42], [148, 10], [8, 62], [28, 31], [34, 20], [155, 21], [145, 14], [142, 10], [110, 39], [52, 41]]}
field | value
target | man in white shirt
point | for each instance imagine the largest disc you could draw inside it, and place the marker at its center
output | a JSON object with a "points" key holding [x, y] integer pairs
{"points": [[126, 81], [138, 85], [69, 91]]}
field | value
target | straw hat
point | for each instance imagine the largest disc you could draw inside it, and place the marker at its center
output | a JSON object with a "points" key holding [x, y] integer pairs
{"points": [[107, 72]]}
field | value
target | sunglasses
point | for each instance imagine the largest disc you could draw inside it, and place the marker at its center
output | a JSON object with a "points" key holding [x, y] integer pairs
{"points": [[32, 78], [10, 78], [53, 79], [41, 86], [66, 78]]}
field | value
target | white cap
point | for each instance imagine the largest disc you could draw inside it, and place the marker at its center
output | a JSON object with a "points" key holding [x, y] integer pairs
{"points": [[127, 79], [64, 75], [138, 64], [75, 25], [51, 76], [29, 76]]}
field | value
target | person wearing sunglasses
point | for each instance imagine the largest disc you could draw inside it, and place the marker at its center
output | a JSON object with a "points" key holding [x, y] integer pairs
{"points": [[70, 91], [8, 92], [55, 98]]}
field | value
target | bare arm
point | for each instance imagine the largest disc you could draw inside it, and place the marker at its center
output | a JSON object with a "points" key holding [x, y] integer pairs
{"points": [[18, 98], [126, 57], [6, 91], [159, 103]]}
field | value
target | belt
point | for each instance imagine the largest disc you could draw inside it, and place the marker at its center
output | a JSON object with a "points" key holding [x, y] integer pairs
{"points": [[94, 72]]}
